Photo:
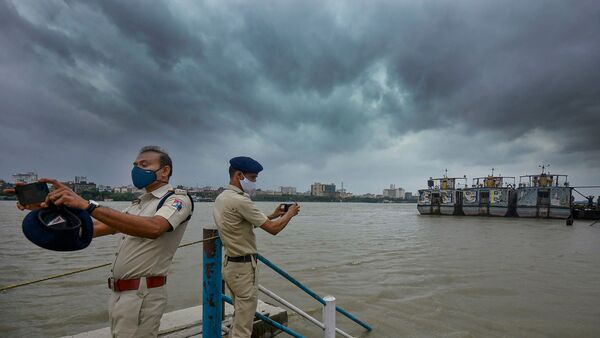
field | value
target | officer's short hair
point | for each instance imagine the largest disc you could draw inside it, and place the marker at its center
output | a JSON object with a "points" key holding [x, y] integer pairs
{"points": [[232, 171], [165, 159]]}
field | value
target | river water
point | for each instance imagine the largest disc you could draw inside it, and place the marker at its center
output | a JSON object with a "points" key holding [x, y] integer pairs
{"points": [[406, 275]]}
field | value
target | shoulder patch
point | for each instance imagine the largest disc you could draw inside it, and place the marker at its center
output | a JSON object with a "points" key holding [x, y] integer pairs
{"points": [[177, 204]]}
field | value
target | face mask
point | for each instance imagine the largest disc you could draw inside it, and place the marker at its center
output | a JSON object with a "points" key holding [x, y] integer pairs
{"points": [[248, 186], [142, 178]]}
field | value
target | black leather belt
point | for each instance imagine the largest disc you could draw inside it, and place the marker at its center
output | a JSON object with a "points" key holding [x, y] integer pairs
{"points": [[242, 259]]}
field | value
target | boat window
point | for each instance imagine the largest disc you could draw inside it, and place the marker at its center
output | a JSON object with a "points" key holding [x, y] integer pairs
{"points": [[484, 194], [544, 194]]}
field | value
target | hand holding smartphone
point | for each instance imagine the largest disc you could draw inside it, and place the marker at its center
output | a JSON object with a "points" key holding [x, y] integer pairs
{"points": [[286, 206]]}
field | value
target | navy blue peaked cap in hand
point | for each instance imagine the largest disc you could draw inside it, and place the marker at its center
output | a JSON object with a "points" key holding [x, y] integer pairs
{"points": [[246, 164], [59, 228]]}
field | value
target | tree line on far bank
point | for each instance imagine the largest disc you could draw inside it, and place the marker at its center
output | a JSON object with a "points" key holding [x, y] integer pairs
{"points": [[211, 195]]}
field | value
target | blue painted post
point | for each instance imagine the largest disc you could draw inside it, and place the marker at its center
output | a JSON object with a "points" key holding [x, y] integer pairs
{"points": [[310, 292], [212, 301]]}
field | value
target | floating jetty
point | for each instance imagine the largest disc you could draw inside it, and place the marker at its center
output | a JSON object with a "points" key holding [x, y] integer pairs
{"points": [[188, 323], [543, 195]]}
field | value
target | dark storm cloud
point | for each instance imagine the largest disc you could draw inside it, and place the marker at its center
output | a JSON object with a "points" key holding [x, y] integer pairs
{"points": [[323, 78]]}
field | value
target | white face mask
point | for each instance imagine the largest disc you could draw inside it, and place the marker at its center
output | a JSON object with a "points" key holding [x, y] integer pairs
{"points": [[248, 186]]}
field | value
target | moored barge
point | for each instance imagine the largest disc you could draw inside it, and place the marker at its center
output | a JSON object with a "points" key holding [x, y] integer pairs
{"points": [[544, 196], [490, 196], [443, 196]]}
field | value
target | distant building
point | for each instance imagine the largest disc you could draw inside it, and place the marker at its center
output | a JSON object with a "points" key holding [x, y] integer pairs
{"points": [[288, 190], [28, 177], [319, 189], [260, 192], [408, 196], [80, 179], [125, 189], [81, 186], [342, 193], [104, 188], [393, 192]]}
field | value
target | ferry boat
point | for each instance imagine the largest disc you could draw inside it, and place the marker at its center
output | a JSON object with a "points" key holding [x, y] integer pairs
{"points": [[443, 196], [545, 195], [490, 196]]}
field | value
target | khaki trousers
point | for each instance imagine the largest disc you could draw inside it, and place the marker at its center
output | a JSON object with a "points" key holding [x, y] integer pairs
{"points": [[241, 280], [136, 313]]}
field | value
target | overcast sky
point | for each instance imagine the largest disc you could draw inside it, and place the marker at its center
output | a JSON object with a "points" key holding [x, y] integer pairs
{"points": [[370, 93]]}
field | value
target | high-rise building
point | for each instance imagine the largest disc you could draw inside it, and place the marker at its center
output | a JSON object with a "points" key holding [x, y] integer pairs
{"points": [[320, 189], [393, 192]]}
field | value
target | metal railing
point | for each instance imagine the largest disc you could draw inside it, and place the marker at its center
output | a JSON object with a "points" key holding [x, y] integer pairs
{"points": [[212, 295]]}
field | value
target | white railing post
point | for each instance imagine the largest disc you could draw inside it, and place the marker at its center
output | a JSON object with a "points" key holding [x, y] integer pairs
{"points": [[329, 317]]}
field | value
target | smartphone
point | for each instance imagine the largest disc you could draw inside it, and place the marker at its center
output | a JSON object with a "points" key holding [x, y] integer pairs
{"points": [[33, 193], [286, 206]]}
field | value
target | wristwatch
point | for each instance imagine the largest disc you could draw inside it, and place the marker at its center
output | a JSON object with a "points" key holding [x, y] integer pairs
{"points": [[92, 206]]}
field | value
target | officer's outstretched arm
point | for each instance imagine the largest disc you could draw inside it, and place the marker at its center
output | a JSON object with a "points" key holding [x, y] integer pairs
{"points": [[139, 226], [101, 229]]}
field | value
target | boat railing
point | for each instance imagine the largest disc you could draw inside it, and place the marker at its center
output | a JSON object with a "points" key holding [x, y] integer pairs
{"points": [[447, 183], [213, 296], [544, 180]]}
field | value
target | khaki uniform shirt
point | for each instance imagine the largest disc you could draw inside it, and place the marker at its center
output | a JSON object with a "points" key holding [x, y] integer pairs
{"points": [[139, 257], [236, 216]]}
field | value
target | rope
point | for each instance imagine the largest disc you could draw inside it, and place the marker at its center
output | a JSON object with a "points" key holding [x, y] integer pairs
{"points": [[584, 196], [4, 288], [196, 242]]}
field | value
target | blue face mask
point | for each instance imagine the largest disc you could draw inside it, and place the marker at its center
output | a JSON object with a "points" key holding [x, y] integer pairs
{"points": [[142, 178]]}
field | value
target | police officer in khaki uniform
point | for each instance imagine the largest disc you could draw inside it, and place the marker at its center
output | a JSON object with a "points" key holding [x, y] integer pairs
{"points": [[236, 216], [151, 228]]}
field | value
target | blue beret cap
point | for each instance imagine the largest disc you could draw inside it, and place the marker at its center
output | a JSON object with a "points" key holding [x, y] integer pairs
{"points": [[59, 228], [246, 164]]}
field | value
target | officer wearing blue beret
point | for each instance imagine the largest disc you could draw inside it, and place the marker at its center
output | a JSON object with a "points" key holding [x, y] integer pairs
{"points": [[236, 216]]}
